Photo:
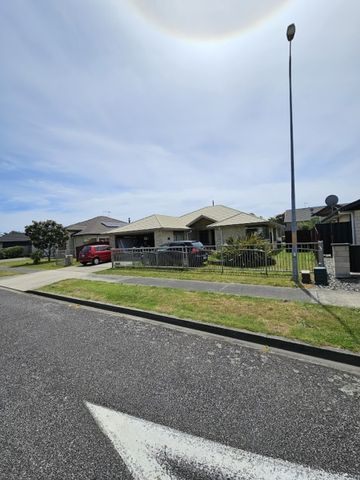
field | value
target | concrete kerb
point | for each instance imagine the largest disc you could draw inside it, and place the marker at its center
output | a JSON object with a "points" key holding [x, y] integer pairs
{"points": [[332, 354]]}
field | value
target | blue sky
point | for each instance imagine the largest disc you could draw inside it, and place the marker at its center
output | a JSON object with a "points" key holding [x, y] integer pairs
{"points": [[137, 107]]}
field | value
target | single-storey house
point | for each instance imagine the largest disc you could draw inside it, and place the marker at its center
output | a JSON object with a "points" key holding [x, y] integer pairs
{"points": [[92, 231], [150, 231], [16, 239], [243, 225], [301, 215], [204, 224]]}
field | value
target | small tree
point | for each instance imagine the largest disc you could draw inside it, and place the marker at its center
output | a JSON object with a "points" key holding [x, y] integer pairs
{"points": [[47, 235], [309, 224], [277, 220]]}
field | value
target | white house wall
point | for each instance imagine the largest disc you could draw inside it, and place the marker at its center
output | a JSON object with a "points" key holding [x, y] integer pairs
{"points": [[228, 232], [163, 236]]}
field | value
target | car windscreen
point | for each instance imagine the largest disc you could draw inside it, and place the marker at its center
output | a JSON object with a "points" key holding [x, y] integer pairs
{"points": [[85, 249], [197, 245]]}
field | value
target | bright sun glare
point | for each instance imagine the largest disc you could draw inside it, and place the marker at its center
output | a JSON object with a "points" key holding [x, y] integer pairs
{"points": [[206, 19]]}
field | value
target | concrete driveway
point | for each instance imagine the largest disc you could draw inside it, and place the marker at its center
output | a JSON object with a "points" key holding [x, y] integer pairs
{"points": [[37, 279]]}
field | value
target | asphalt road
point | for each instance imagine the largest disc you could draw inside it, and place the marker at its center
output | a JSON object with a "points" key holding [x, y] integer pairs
{"points": [[57, 359]]}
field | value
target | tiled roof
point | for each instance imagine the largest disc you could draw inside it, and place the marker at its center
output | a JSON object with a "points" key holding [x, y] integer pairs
{"points": [[215, 213], [241, 218], [153, 222], [302, 214], [95, 226], [14, 237]]}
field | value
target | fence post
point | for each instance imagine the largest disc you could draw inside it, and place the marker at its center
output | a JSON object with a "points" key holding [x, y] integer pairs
{"points": [[222, 258], [266, 263], [321, 253]]}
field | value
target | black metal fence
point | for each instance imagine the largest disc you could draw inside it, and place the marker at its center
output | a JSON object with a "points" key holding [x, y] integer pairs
{"points": [[225, 258]]}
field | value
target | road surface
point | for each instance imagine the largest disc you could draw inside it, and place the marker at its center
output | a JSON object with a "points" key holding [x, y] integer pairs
{"points": [[92, 395]]}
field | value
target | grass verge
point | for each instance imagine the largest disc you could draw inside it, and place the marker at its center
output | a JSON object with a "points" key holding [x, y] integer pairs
{"points": [[43, 265], [7, 273], [202, 275], [314, 324]]}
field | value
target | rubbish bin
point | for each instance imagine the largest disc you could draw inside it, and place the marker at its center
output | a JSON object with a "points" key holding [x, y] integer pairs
{"points": [[320, 276]]}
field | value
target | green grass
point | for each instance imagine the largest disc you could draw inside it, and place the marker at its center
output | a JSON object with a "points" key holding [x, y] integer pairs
{"points": [[43, 265], [7, 273], [311, 323], [204, 275], [306, 261]]}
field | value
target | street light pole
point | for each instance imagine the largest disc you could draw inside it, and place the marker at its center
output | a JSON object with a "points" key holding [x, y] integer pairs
{"points": [[295, 271]]}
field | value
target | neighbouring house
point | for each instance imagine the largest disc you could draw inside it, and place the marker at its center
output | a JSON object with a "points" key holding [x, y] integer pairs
{"points": [[150, 231], [339, 224], [202, 224], [92, 231], [340, 232], [243, 225], [301, 214], [16, 239], [353, 209]]}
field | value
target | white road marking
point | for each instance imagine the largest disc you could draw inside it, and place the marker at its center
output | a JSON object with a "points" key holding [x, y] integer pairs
{"points": [[146, 448]]}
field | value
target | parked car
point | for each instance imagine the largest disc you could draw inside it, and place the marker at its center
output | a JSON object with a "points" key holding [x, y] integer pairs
{"points": [[182, 253], [95, 254]]}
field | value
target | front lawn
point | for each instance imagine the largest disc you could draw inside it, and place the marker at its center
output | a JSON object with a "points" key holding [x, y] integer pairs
{"points": [[204, 275], [311, 323], [43, 265], [306, 261]]}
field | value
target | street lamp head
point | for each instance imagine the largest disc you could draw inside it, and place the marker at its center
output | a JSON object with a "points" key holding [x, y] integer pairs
{"points": [[290, 33]]}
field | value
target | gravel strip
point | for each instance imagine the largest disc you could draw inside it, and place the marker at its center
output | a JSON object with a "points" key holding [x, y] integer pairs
{"points": [[347, 284]]}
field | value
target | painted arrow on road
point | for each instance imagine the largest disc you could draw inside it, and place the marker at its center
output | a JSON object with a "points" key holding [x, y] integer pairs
{"points": [[152, 451]]}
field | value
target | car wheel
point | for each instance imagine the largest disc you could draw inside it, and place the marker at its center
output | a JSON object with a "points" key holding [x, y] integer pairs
{"points": [[96, 261]]}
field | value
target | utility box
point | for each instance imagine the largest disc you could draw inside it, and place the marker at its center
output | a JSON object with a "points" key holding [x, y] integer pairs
{"points": [[305, 276], [68, 260], [320, 276]]}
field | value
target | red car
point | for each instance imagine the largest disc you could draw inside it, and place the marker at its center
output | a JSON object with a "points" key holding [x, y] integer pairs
{"points": [[95, 254]]}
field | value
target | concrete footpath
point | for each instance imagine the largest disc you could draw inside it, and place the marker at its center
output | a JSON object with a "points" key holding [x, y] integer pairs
{"points": [[35, 280]]}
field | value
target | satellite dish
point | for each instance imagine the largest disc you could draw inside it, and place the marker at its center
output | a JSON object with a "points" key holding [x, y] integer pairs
{"points": [[331, 200]]}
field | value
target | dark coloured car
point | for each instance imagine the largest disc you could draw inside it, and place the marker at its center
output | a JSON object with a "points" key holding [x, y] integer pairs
{"points": [[95, 254], [182, 253]]}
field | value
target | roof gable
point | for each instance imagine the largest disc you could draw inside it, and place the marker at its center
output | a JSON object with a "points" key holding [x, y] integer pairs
{"points": [[241, 218], [153, 222], [96, 225], [215, 213]]}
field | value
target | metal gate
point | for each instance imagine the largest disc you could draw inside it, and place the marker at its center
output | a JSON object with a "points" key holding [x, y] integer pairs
{"points": [[355, 258]]}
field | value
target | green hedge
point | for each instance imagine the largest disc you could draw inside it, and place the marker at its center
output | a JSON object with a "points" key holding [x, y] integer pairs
{"points": [[11, 252]]}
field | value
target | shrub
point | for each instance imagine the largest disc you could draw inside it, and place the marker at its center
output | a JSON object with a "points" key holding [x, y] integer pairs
{"points": [[36, 257], [251, 252], [12, 252]]}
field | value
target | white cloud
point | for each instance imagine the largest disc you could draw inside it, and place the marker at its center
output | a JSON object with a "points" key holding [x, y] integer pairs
{"points": [[101, 111]]}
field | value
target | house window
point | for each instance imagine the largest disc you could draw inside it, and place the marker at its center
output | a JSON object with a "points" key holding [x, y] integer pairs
{"points": [[179, 236], [251, 231]]}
